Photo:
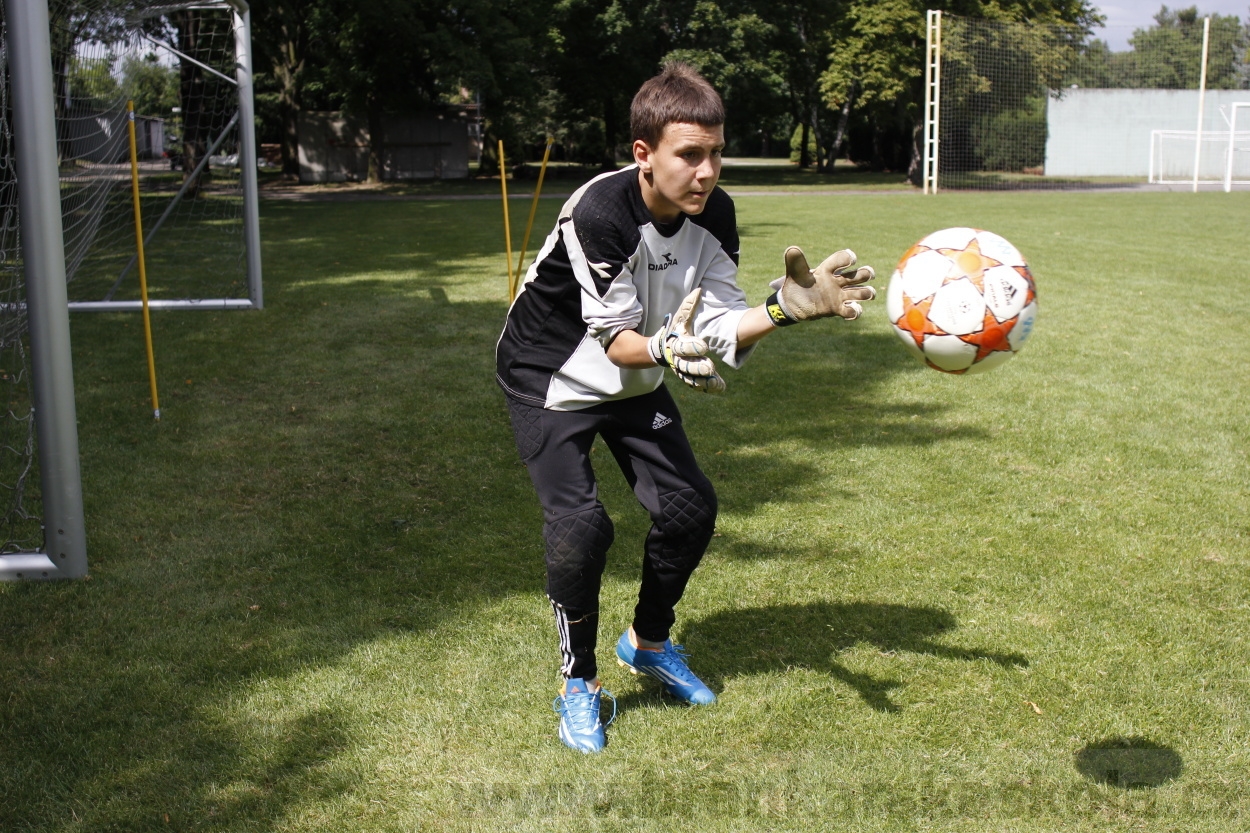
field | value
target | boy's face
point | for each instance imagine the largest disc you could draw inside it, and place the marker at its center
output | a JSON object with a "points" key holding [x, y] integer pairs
{"points": [[678, 175]]}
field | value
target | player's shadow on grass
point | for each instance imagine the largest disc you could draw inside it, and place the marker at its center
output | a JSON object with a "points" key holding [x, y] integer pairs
{"points": [[779, 637]]}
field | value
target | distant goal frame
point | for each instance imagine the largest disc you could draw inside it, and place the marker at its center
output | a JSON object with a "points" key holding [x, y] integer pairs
{"points": [[249, 186]]}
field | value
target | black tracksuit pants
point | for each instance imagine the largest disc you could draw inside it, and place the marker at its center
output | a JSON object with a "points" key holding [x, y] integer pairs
{"points": [[645, 436]]}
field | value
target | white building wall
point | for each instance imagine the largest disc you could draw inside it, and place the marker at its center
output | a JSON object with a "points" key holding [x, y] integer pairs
{"points": [[1107, 132]]}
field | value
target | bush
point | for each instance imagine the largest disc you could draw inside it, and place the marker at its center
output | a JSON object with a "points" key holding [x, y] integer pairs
{"points": [[1011, 140]]}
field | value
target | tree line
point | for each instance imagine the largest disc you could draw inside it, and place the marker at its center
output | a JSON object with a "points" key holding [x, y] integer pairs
{"points": [[837, 77], [822, 79]]}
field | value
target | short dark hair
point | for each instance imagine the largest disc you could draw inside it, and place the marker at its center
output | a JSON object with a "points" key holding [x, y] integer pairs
{"points": [[678, 94]]}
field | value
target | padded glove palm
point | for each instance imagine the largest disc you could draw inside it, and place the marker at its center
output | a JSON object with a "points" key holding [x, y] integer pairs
{"points": [[834, 288], [676, 346]]}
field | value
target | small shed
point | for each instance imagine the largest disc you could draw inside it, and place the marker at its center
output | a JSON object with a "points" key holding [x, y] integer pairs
{"points": [[334, 147]]}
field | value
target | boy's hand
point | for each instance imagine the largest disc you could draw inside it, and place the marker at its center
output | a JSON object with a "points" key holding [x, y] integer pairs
{"points": [[677, 347], [834, 288]]}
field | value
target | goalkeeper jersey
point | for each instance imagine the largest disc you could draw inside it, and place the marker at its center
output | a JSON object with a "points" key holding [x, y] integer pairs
{"points": [[609, 266]]}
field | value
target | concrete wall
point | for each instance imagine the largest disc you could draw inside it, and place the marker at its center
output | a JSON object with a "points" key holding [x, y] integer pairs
{"points": [[1107, 132], [335, 148]]}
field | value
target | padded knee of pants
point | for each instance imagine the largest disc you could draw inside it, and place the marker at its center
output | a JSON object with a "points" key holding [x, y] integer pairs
{"points": [[577, 549], [684, 528]]}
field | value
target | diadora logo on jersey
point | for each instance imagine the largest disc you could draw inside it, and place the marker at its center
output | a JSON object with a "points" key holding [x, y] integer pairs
{"points": [[660, 421], [660, 267]]}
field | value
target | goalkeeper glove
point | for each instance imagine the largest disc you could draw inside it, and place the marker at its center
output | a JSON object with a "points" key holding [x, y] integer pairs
{"points": [[832, 289], [676, 346]]}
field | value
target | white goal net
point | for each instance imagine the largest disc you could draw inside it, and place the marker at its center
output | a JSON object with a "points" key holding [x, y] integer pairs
{"points": [[1029, 105], [1223, 158], [67, 72], [178, 63]]}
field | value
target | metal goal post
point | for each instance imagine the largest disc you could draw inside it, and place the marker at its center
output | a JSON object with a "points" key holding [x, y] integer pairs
{"points": [[32, 98], [64, 553]]}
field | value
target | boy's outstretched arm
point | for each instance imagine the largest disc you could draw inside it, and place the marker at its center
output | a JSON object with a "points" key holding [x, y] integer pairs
{"points": [[834, 288]]}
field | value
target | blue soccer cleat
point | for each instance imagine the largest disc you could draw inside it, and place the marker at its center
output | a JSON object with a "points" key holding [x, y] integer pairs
{"points": [[668, 666], [578, 707]]}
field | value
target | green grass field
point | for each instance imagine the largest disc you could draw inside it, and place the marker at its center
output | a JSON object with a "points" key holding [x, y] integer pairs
{"points": [[1011, 602]]}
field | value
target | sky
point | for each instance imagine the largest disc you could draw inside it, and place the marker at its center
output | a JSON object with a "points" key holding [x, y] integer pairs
{"points": [[1124, 16]]}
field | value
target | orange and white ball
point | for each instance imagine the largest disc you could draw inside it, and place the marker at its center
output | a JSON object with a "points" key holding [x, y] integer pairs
{"points": [[962, 300]]}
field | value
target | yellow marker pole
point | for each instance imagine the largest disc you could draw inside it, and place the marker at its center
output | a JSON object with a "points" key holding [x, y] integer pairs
{"points": [[507, 227], [520, 266], [143, 272]]}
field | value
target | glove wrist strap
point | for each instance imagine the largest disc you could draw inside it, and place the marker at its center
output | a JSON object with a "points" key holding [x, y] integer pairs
{"points": [[777, 313], [656, 348]]}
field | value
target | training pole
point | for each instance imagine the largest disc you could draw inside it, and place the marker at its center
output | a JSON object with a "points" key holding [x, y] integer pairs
{"points": [[525, 241], [143, 270], [507, 227]]}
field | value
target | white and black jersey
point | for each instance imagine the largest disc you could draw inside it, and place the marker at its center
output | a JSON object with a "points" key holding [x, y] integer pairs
{"points": [[609, 266]]}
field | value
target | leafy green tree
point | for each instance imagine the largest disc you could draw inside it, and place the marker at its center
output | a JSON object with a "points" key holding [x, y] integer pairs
{"points": [[401, 56], [283, 33], [737, 51], [195, 32], [1168, 55], [995, 79], [152, 85], [394, 56], [597, 53], [808, 32], [873, 76], [71, 24], [91, 79], [874, 66]]}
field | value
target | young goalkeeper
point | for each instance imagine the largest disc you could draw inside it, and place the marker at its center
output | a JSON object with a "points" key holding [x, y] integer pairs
{"points": [[639, 275]]}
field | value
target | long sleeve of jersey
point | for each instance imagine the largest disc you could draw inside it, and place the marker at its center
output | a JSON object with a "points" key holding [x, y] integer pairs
{"points": [[609, 267]]}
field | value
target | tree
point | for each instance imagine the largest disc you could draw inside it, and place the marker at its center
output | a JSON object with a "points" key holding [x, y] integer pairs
{"points": [[150, 84], [873, 65], [72, 24], [873, 72], [91, 79], [282, 34], [807, 32], [395, 56], [402, 56], [597, 53], [1168, 55], [195, 34], [736, 50]]}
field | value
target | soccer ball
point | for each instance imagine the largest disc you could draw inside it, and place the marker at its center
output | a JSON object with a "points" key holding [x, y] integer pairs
{"points": [[962, 300]]}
